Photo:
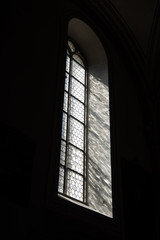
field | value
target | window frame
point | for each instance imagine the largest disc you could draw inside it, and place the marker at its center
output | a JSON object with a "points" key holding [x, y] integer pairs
{"points": [[55, 203], [90, 206]]}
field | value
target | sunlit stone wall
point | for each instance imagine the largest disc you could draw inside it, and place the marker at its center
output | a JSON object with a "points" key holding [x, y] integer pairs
{"points": [[99, 164]]}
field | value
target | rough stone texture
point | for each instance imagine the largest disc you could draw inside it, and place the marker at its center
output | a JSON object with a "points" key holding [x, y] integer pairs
{"points": [[99, 165]]}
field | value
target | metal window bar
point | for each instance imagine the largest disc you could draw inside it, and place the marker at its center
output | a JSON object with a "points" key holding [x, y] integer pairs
{"points": [[68, 143]]}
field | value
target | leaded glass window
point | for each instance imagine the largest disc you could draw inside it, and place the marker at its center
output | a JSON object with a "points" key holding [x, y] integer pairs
{"points": [[72, 171]]}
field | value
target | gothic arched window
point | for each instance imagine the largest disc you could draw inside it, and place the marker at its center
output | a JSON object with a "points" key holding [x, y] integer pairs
{"points": [[85, 158]]}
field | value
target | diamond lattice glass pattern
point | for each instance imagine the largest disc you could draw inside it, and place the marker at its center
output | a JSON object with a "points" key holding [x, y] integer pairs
{"points": [[75, 159], [75, 185], [65, 102], [77, 109], [78, 72], [72, 155], [61, 179], [64, 126], [66, 81], [76, 133], [77, 90], [78, 59], [63, 152], [67, 63]]}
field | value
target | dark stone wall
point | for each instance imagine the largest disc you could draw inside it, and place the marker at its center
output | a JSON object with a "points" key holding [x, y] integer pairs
{"points": [[31, 93]]}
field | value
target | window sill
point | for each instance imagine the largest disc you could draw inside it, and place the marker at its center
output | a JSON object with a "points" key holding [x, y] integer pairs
{"points": [[82, 205]]}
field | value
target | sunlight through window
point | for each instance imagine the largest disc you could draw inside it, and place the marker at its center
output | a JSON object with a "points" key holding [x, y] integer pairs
{"points": [[85, 159], [72, 175]]}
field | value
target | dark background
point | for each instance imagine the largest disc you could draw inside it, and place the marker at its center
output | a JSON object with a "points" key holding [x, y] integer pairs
{"points": [[33, 38]]}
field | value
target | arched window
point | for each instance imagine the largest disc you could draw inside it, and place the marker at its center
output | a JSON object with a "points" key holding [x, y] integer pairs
{"points": [[85, 159], [72, 178]]}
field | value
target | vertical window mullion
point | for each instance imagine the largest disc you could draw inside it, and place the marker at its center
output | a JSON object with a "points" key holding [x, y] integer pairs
{"points": [[84, 154], [86, 129]]}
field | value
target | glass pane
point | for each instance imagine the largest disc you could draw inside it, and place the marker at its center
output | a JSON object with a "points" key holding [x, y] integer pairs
{"points": [[75, 159], [68, 52], [66, 81], [78, 72], [61, 179], [65, 102], [78, 59], [76, 133], [75, 185], [71, 46], [63, 152], [77, 90], [67, 63], [64, 126], [77, 109]]}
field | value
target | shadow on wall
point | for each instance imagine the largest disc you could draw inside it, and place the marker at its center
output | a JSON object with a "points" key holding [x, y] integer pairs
{"points": [[16, 154]]}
